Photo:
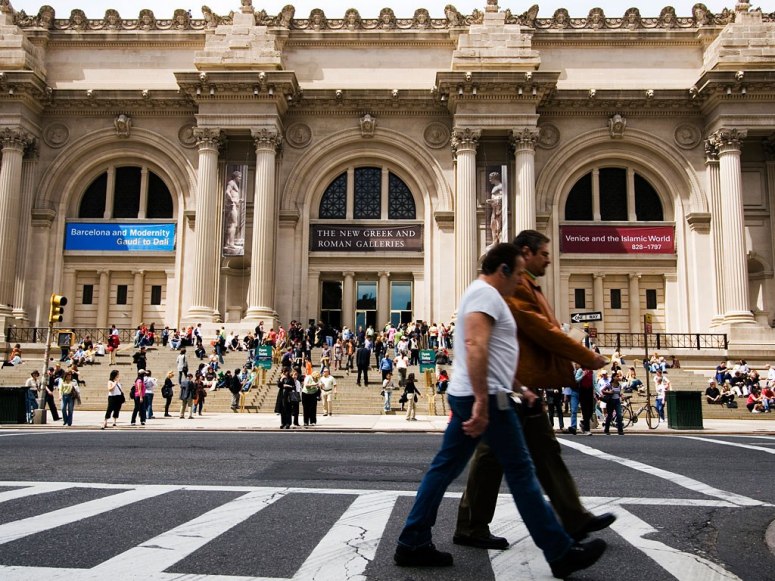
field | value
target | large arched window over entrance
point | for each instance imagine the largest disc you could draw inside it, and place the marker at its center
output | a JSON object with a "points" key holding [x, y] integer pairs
{"points": [[368, 193], [613, 194], [126, 192]]}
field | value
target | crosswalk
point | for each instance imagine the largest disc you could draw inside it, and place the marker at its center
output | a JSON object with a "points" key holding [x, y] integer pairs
{"points": [[351, 546]]}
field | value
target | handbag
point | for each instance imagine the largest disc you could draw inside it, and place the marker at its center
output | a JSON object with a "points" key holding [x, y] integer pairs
{"points": [[295, 397]]}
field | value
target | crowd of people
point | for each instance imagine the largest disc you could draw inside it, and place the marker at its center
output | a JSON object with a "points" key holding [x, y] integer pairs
{"points": [[734, 380]]}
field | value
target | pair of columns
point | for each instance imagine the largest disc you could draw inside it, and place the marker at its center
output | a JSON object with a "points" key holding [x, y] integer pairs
{"points": [[465, 142], [16, 193], [207, 246], [725, 179], [348, 298]]}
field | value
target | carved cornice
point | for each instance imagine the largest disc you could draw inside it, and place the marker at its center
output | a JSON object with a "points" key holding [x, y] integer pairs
{"points": [[280, 87], [609, 102], [465, 139], [266, 139], [207, 138]]}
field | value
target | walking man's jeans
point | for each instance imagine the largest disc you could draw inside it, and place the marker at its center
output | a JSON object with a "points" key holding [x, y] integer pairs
{"points": [[574, 408], [507, 441]]}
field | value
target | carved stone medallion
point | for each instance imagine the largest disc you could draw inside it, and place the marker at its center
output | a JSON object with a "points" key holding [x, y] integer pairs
{"points": [[56, 135], [687, 136], [436, 135], [298, 135], [549, 136], [186, 136]]}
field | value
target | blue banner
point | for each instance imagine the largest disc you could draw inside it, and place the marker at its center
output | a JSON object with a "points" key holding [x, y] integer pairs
{"points": [[117, 237]]}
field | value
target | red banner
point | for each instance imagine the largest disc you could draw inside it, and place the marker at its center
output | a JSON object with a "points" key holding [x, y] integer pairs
{"points": [[617, 239]]}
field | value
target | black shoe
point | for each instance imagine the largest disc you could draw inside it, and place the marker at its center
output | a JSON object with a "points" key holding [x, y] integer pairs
{"points": [[427, 556], [488, 542], [579, 556], [571, 431], [596, 523]]}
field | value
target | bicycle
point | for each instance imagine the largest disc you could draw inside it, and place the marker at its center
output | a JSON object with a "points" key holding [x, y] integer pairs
{"points": [[630, 416]]}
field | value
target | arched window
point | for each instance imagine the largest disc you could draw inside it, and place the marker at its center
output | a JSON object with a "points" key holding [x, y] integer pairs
{"points": [[132, 192], [608, 195], [364, 193]]}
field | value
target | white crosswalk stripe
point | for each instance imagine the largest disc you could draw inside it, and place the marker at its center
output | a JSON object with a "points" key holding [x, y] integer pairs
{"points": [[343, 553]]}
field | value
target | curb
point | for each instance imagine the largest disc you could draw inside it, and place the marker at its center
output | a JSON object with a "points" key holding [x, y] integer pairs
{"points": [[769, 537]]}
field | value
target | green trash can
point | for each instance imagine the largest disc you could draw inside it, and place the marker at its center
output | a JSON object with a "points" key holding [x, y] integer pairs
{"points": [[12, 405], [684, 410]]}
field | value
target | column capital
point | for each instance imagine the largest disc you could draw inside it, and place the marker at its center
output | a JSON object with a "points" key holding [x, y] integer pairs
{"points": [[711, 151], [207, 138], [138, 272], [348, 274], [15, 139], [383, 273], [266, 139], [465, 139], [634, 275], [524, 139], [601, 276], [729, 140]]}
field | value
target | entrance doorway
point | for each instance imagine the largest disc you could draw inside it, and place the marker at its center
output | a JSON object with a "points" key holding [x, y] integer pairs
{"points": [[366, 304], [331, 304]]}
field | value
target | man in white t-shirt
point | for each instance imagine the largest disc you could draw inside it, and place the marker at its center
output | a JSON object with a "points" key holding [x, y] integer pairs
{"points": [[484, 371], [327, 386]]}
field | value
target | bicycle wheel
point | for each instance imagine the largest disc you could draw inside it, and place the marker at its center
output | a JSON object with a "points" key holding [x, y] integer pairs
{"points": [[652, 417], [626, 417]]}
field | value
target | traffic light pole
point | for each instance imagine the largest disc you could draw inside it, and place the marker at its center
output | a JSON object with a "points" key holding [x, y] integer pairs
{"points": [[39, 415]]}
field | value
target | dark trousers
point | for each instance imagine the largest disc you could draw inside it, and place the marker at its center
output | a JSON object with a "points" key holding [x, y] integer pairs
{"points": [[114, 406], [51, 404], [309, 404], [139, 408], [477, 506], [587, 404], [365, 372], [285, 412], [295, 412], [555, 408], [168, 401]]}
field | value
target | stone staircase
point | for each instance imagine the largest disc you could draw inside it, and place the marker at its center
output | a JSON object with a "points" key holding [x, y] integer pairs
{"points": [[351, 399]]}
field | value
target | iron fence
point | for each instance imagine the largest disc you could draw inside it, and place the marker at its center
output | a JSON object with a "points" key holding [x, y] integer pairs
{"points": [[661, 341], [38, 334]]}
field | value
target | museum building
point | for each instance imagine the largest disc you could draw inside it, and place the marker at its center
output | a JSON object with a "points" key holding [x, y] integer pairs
{"points": [[350, 168]]}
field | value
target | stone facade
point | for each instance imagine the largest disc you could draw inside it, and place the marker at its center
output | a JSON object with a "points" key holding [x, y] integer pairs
{"points": [[372, 138]]}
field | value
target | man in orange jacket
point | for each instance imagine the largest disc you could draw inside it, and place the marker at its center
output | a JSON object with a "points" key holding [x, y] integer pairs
{"points": [[545, 356]]}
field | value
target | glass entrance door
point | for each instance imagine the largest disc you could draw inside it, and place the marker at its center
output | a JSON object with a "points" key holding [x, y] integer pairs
{"points": [[400, 302], [365, 304]]}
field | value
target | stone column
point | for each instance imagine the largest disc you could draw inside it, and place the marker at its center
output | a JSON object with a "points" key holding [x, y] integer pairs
{"points": [[632, 214], [313, 296], [261, 289], [103, 300], [143, 212], [138, 290], [69, 279], [29, 167], [110, 193], [348, 299], [464, 144], [207, 248], [716, 226], [383, 298], [634, 305], [524, 142], [13, 142], [596, 194], [736, 303], [598, 299]]}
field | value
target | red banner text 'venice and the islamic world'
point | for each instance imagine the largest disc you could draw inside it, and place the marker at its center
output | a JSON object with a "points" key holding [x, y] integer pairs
{"points": [[617, 239]]}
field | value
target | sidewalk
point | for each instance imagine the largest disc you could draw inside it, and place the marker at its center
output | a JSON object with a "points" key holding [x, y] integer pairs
{"points": [[356, 423]]}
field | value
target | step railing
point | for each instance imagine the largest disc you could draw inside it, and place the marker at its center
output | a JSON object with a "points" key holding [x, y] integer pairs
{"points": [[38, 334], [660, 341]]}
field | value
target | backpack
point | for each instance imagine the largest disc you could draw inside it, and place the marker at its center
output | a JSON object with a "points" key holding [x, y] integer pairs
{"points": [[587, 380]]}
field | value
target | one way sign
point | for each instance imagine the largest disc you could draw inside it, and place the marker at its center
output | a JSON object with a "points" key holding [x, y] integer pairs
{"points": [[586, 317]]}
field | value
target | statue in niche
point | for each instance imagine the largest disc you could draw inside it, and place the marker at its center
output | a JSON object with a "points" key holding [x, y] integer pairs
{"points": [[422, 19], [77, 19], [495, 202], [147, 20], [234, 239], [596, 18], [286, 16], [352, 19]]}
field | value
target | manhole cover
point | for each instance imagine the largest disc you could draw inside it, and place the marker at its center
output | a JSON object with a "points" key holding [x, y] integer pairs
{"points": [[361, 470]]}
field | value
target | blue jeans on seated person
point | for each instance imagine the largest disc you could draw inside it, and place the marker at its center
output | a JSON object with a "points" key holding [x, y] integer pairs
{"points": [[504, 435]]}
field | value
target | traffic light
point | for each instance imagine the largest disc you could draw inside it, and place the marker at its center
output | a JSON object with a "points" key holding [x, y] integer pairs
{"points": [[57, 309]]}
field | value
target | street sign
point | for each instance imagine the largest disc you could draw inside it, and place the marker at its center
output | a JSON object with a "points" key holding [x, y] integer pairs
{"points": [[584, 317], [427, 360], [647, 326], [264, 357]]}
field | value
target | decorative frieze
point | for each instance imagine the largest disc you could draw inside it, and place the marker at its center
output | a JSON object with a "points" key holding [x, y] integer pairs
{"points": [[298, 135], [436, 135], [687, 136], [123, 125], [616, 126], [56, 135], [368, 125], [548, 136]]}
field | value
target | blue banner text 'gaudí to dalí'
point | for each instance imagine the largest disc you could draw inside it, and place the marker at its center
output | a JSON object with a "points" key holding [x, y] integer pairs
{"points": [[118, 237]]}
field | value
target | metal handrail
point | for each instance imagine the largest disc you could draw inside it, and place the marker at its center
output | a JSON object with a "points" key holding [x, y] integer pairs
{"points": [[658, 341], [38, 334]]}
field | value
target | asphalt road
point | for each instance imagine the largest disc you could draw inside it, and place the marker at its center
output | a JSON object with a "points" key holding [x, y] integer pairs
{"points": [[327, 506]]}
